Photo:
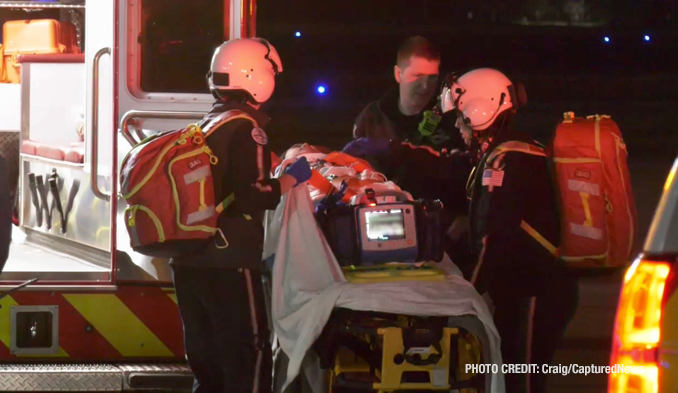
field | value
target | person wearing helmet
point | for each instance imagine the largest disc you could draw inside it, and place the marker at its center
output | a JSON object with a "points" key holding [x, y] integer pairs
{"points": [[512, 198], [219, 290]]}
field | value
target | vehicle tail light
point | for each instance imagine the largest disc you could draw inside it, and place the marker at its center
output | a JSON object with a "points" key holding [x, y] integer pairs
{"points": [[638, 328]]}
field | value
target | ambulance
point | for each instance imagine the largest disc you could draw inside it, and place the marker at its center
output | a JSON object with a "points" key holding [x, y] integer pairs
{"points": [[79, 310]]}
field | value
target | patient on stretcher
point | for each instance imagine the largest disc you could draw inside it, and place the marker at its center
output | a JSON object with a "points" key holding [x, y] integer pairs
{"points": [[366, 219], [332, 168]]}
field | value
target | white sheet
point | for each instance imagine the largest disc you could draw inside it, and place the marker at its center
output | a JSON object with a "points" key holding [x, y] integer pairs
{"points": [[308, 283]]}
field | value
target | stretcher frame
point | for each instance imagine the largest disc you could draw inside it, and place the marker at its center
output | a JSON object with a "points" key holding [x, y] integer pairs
{"points": [[379, 365]]}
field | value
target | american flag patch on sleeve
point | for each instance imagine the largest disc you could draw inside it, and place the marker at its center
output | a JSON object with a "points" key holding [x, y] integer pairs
{"points": [[493, 177]]}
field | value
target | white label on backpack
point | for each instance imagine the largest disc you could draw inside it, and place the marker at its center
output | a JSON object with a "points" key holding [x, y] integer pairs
{"points": [[259, 136]]}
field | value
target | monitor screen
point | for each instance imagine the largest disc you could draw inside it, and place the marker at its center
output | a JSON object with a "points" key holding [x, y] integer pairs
{"points": [[386, 224]]}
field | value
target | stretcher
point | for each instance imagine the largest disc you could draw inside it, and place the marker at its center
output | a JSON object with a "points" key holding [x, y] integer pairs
{"points": [[384, 328]]}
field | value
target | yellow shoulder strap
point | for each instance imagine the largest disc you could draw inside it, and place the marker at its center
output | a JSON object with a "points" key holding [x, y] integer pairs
{"points": [[520, 147], [525, 148], [225, 118]]}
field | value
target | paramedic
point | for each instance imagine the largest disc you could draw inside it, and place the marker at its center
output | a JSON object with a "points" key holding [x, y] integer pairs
{"points": [[5, 214], [514, 225], [219, 290], [406, 114]]}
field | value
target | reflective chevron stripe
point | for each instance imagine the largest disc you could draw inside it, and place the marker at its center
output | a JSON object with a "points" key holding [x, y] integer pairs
{"points": [[172, 295], [129, 322], [129, 335]]}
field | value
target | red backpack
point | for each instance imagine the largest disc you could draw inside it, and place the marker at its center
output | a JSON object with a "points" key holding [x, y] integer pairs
{"points": [[599, 219], [595, 198], [167, 183]]}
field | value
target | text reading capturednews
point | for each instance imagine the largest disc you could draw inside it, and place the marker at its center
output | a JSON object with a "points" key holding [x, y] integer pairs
{"points": [[552, 369]]}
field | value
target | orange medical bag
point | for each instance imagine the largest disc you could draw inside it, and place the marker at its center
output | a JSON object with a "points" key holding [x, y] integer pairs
{"points": [[598, 210], [40, 36]]}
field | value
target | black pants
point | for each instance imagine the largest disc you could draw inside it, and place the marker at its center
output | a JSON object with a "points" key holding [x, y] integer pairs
{"points": [[226, 332], [545, 318]]}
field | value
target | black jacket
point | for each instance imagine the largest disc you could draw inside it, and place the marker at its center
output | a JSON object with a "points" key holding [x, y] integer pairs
{"points": [[416, 170], [244, 170], [383, 119], [429, 174], [5, 214], [511, 190]]}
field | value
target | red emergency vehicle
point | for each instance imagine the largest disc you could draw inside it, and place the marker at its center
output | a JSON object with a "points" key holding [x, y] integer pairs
{"points": [[79, 89]]}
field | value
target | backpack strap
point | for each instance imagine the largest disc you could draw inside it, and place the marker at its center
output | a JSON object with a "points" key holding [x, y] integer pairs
{"points": [[224, 118], [214, 124], [525, 148], [520, 147]]}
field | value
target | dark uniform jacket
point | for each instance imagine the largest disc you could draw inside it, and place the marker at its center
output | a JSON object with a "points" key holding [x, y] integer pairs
{"points": [[512, 195], [244, 170], [382, 119]]}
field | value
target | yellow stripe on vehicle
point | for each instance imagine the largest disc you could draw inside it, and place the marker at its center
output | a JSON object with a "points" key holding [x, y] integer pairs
{"points": [[171, 294], [118, 325], [5, 333], [61, 354]]}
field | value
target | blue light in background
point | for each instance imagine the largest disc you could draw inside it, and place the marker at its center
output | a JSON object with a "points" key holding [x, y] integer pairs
{"points": [[297, 34], [607, 39]]}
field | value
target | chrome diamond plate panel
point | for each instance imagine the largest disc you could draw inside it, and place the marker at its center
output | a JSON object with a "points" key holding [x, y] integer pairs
{"points": [[155, 368], [55, 377], [158, 371]]}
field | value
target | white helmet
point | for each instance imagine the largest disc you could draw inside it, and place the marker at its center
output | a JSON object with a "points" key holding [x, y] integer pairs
{"points": [[247, 65], [479, 95]]}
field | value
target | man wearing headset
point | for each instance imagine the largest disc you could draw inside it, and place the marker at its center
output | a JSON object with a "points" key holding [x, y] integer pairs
{"points": [[219, 289]]}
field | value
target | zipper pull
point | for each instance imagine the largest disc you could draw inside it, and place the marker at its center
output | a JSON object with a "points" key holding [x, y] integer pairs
{"points": [[213, 158], [196, 133], [130, 220]]}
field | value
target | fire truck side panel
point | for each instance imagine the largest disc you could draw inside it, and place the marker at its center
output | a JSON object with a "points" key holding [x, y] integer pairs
{"points": [[100, 317], [125, 323]]}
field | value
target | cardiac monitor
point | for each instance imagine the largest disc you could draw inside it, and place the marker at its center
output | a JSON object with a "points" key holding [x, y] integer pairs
{"points": [[387, 233]]}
